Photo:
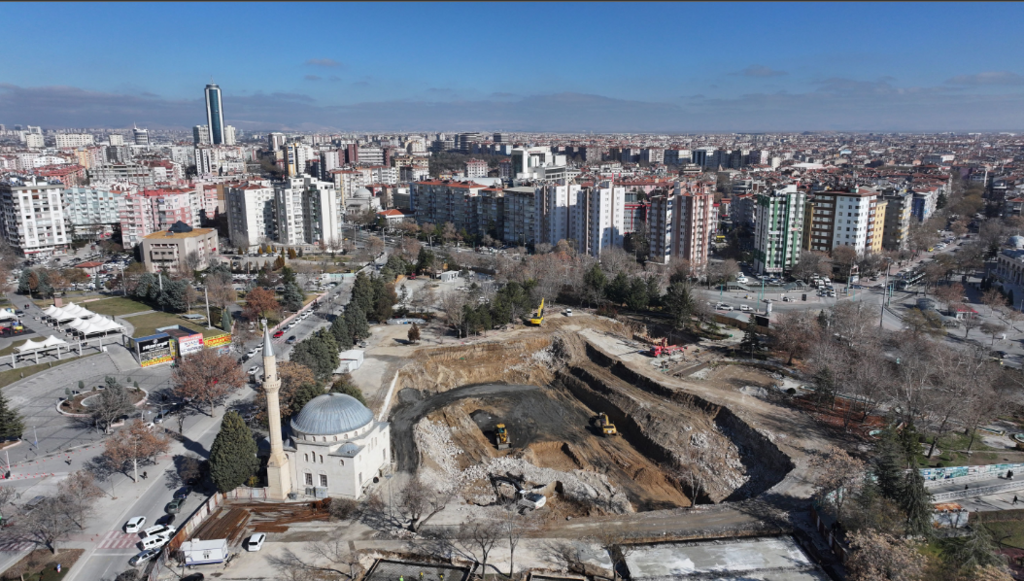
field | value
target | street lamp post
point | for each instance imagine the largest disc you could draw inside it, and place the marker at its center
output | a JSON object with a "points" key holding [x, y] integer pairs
{"points": [[885, 291]]}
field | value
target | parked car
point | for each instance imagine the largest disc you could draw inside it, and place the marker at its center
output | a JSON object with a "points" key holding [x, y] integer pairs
{"points": [[154, 542], [252, 352], [255, 542], [723, 307], [167, 519], [254, 369], [134, 524], [291, 339], [156, 530], [183, 493], [144, 556], [174, 506], [745, 308], [279, 334]]}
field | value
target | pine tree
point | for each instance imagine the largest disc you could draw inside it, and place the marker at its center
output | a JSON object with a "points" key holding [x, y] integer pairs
{"points": [[319, 353], [233, 454], [11, 424], [362, 292], [293, 297], [751, 341], [915, 501], [357, 323], [889, 465], [304, 394], [225, 319], [344, 384], [339, 328]]}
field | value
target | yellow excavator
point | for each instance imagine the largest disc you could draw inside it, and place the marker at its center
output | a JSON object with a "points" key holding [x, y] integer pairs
{"points": [[538, 318], [606, 425], [501, 437]]}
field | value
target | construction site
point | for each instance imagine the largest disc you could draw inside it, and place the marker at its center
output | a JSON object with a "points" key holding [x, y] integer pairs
{"points": [[593, 429], [596, 435]]}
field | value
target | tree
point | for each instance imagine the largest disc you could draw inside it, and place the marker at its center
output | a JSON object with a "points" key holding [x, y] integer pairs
{"points": [[836, 478], [294, 379], [319, 352], [205, 378], [453, 305], [78, 491], [421, 501], [915, 502], [375, 245], [969, 323], [342, 333], [47, 525], [11, 423], [112, 403], [843, 258], [414, 333], [514, 530], [292, 298], [970, 552], [794, 332], [480, 536], [594, 282], [225, 319], [679, 303], [259, 303], [992, 299], [233, 454], [448, 233], [882, 557], [721, 272], [921, 322], [751, 340], [344, 384], [133, 444], [812, 263], [993, 330], [355, 318]]}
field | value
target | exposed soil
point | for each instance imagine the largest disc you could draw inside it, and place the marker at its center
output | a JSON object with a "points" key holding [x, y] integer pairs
{"points": [[551, 429]]}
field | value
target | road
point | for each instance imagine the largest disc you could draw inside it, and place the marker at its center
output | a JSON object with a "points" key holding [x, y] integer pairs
{"points": [[65, 445]]}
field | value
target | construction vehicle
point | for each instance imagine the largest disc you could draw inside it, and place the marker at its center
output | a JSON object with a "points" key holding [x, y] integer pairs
{"points": [[606, 425], [659, 350], [538, 317], [501, 437]]}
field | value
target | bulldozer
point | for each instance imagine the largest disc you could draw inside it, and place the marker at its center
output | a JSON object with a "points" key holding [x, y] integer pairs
{"points": [[501, 437], [606, 425], [538, 317]]}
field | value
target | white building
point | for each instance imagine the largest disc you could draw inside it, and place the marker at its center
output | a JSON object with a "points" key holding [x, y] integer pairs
{"points": [[322, 213], [33, 217], [682, 223], [229, 135], [250, 215], [288, 210], [34, 141], [606, 208], [201, 135], [93, 211], [537, 163], [476, 168], [337, 447], [563, 220], [72, 140]]}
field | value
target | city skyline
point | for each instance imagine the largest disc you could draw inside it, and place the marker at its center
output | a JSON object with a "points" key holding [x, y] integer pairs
{"points": [[717, 68]]}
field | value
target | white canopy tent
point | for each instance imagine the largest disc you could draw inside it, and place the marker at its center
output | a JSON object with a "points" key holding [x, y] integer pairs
{"points": [[29, 345], [7, 315]]}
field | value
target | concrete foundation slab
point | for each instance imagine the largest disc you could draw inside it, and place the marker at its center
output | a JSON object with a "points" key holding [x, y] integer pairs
{"points": [[775, 558]]}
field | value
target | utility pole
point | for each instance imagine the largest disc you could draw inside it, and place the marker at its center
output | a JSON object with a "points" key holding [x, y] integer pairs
{"points": [[885, 291], [206, 292]]}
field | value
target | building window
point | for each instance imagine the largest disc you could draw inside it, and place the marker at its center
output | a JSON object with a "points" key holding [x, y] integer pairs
{"points": [[309, 479], [321, 458], [307, 457], [323, 480]]}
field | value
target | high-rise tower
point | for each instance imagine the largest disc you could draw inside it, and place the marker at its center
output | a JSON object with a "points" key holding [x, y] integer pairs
{"points": [[278, 472], [215, 114]]}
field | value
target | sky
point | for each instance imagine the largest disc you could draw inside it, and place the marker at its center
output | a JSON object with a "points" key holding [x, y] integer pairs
{"points": [[560, 67]]}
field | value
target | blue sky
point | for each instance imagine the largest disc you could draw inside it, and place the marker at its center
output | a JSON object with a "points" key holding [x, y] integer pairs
{"points": [[525, 66]]}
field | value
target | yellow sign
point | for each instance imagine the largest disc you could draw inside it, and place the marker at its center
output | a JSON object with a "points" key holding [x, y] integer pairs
{"points": [[217, 341]]}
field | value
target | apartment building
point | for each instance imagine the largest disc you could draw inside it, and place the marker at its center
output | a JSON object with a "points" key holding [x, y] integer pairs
{"points": [[308, 211], [476, 168], [34, 218], [72, 140], [251, 218], [779, 230], [562, 219], [93, 212], [179, 249], [897, 220], [682, 222], [605, 211], [844, 219], [523, 207], [878, 235], [151, 210]]}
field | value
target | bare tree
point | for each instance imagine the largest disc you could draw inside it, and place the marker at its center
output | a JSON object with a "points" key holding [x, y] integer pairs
{"points": [[449, 233], [205, 378], [992, 299], [812, 263], [193, 260], [78, 492], [337, 552], [375, 245], [47, 525], [134, 444], [113, 403], [421, 501], [615, 260], [794, 333], [452, 304], [881, 557], [481, 536], [969, 323], [514, 529], [993, 330], [837, 477], [7, 494]]}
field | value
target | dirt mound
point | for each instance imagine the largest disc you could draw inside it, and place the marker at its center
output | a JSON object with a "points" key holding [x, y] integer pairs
{"points": [[523, 361], [555, 455]]}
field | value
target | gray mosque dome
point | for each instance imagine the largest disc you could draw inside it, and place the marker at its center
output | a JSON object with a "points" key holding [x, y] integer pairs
{"points": [[362, 193], [1017, 242], [331, 413]]}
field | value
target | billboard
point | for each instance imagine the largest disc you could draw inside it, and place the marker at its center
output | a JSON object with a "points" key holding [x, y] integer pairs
{"points": [[188, 344], [153, 350], [222, 340]]}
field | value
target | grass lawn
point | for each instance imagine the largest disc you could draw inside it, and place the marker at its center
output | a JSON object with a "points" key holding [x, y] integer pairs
{"points": [[147, 324], [40, 565], [950, 444], [116, 306], [11, 375], [1010, 532]]}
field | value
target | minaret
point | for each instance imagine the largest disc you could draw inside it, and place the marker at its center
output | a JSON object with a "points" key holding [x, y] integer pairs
{"points": [[278, 473]]}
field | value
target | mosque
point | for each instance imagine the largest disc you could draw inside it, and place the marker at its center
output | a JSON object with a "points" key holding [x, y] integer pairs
{"points": [[336, 447]]}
